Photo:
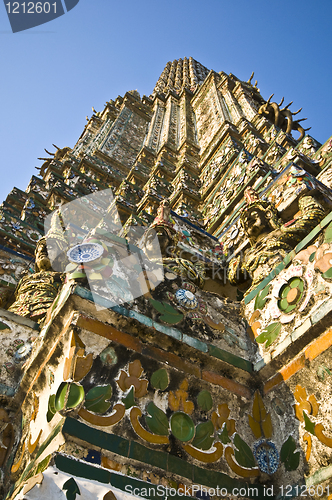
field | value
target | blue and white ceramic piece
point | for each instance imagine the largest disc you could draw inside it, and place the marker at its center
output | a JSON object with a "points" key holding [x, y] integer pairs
{"points": [[267, 456], [85, 252], [186, 298], [22, 353]]}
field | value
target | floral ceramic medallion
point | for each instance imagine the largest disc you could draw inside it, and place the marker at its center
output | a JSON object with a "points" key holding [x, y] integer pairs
{"points": [[267, 456], [186, 300], [291, 293], [85, 252]]}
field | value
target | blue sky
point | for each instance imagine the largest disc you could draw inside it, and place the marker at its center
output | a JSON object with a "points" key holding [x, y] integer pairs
{"points": [[53, 74]]}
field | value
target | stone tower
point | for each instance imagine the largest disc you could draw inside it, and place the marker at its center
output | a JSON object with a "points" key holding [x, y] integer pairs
{"points": [[203, 368]]}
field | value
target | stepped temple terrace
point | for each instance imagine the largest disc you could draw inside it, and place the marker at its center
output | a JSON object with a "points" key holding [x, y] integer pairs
{"points": [[165, 302]]}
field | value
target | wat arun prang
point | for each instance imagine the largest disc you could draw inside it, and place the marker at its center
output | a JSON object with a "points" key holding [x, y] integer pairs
{"points": [[208, 370]]}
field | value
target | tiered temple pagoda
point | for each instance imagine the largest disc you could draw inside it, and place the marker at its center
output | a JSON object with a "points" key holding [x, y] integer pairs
{"points": [[166, 311]]}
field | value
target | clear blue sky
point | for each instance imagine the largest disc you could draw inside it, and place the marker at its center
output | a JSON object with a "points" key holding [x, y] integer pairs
{"points": [[53, 74]]}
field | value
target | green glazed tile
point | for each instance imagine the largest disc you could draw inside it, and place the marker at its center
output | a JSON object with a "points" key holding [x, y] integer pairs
{"points": [[168, 330], [144, 454], [178, 466], [230, 358], [82, 469], [99, 438], [197, 344]]}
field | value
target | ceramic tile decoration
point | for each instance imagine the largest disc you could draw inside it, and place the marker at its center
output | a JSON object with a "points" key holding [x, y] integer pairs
{"points": [[203, 368]]}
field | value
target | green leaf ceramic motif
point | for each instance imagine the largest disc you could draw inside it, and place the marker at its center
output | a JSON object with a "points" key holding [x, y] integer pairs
{"points": [[157, 305], [75, 395], [169, 314], [328, 234], [182, 426], [269, 334], [60, 397], [3, 326], [243, 453], [129, 400], [328, 273], [309, 426], [71, 489], [171, 319], [158, 422], [204, 436], [96, 398], [260, 298], [204, 400], [287, 455], [223, 435], [159, 379], [51, 408], [312, 257]]}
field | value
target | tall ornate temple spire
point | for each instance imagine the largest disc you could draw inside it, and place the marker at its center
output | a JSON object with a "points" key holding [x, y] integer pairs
{"points": [[144, 369], [179, 74]]}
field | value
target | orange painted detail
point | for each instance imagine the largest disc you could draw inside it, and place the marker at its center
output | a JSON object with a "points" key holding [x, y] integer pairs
{"points": [[127, 340], [16, 466], [308, 440], [319, 428], [212, 324], [293, 295], [254, 317], [319, 345], [255, 327], [82, 366], [218, 419], [68, 363], [311, 352], [273, 382], [173, 360], [33, 446], [285, 373], [135, 413], [208, 458], [126, 381], [308, 404], [178, 400], [35, 408], [324, 263], [102, 421], [226, 383], [304, 255], [110, 464], [260, 421], [293, 367], [240, 471], [109, 332]]}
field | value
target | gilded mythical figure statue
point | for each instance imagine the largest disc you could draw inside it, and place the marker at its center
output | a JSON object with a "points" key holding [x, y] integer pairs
{"points": [[168, 237], [36, 292], [270, 239]]}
